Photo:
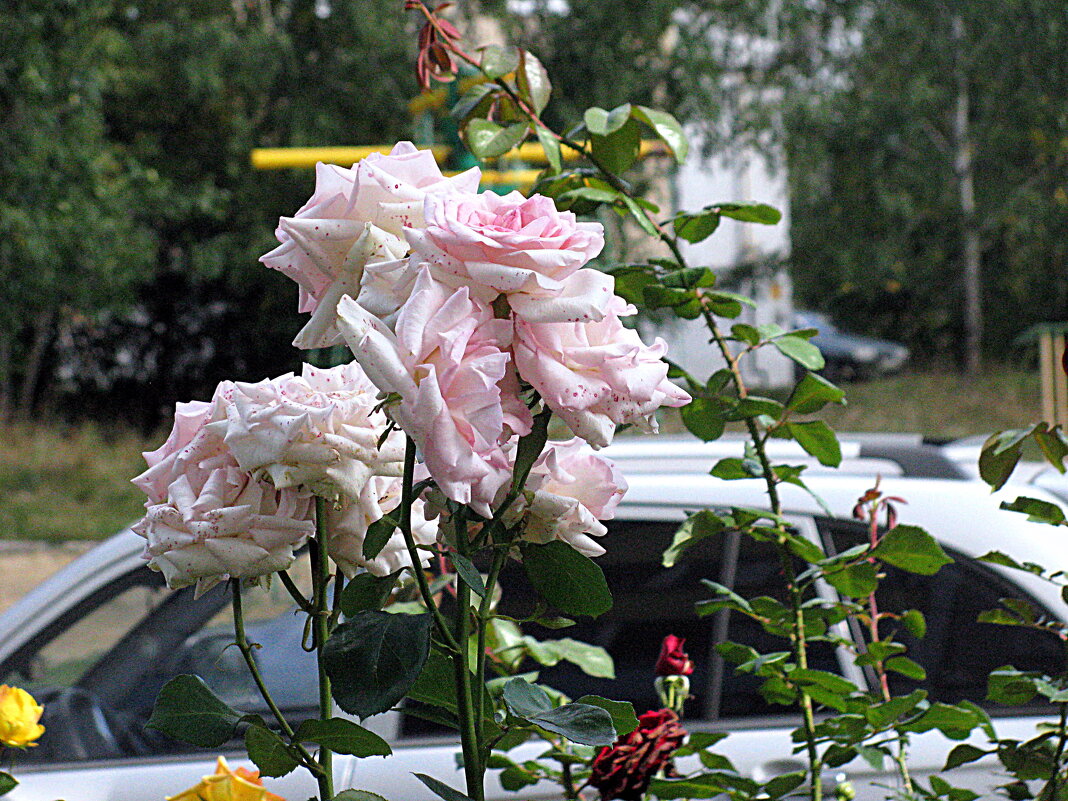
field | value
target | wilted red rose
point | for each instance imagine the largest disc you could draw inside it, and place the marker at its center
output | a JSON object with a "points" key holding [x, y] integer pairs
{"points": [[673, 661], [623, 770]]}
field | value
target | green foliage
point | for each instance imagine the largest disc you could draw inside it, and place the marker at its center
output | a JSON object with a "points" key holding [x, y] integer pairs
{"points": [[570, 581], [187, 710], [7, 782], [343, 737], [373, 658], [582, 723], [270, 753]]}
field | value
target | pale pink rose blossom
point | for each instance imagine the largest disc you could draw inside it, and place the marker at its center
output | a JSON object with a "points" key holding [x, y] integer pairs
{"points": [[596, 375], [522, 248], [354, 218], [214, 520], [347, 525], [569, 491], [445, 361], [318, 430]]}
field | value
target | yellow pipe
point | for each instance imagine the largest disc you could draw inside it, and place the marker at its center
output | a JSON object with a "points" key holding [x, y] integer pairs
{"points": [[275, 158]]}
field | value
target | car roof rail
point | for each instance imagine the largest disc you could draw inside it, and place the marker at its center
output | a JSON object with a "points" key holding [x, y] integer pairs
{"points": [[915, 461]]}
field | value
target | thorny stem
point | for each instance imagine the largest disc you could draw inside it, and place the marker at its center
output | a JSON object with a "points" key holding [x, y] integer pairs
{"points": [[405, 525], [245, 648], [321, 577], [880, 668], [484, 614], [1062, 738], [798, 635], [470, 727]]}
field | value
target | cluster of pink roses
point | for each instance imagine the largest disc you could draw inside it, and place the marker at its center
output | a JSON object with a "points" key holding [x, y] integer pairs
{"points": [[230, 493], [462, 310]]}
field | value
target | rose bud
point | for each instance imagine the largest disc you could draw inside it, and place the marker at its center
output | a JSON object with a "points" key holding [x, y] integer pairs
{"points": [[673, 661]]}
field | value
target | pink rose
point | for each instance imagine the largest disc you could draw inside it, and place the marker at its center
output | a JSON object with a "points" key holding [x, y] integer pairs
{"points": [[347, 526], [596, 375], [445, 361], [318, 430], [523, 248], [569, 491], [215, 520], [355, 217]]}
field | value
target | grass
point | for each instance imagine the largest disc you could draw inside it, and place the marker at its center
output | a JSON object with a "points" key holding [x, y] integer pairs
{"points": [[74, 483], [59, 483]]}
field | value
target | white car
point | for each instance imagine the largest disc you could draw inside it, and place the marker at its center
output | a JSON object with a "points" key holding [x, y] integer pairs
{"points": [[97, 640]]}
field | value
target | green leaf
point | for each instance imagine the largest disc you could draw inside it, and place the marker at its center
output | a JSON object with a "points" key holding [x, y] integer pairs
{"points": [[592, 659], [667, 128], [906, 667], [755, 406], [467, 571], [800, 350], [856, 581], [696, 227], [524, 699], [617, 151], [358, 795], [551, 148], [602, 123], [912, 549], [727, 304], [784, 783], [698, 526], [373, 659], [812, 393], [272, 755], [488, 140], [731, 468], [472, 99], [817, 438], [705, 785], [584, 724], [187, 710], [436, 686], [999, 455], [570, 581], [963, 754], [533, 83], [915, 623], [1012, 687], [367, 591], [750, 212], [440, 789], [497, 60], [703, 417], [378, 534], [1036, 510], [746, 333], [624, 721], [635, 209], [954, 722], [7, 782], [343, 737]]}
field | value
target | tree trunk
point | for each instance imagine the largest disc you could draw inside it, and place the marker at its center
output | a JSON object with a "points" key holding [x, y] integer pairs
{"points": [[42, 336], [963, 166]]}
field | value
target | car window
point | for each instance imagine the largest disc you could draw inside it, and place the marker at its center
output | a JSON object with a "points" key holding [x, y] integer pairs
{"points": [[98, 668], [958, 652], [651, 602]]}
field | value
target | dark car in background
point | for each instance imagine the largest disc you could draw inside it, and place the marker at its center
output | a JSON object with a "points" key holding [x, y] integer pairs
{"points": [[851, 357]]}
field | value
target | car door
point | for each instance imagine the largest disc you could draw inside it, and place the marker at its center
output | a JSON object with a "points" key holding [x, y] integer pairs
{"points": [[98, 666]]}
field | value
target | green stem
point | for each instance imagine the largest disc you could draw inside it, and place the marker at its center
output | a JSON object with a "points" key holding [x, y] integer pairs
{"points": [[321, 579], [484, 615], [469, 729], [405, 525], [246, 651], [1051, 787], [295, 593]]}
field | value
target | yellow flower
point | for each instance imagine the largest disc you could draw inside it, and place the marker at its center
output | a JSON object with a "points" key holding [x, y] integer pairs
{"points": [[19, 714], [228, 785]]}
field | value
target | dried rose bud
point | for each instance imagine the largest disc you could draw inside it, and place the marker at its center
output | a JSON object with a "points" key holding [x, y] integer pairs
{"points": [[624, 769]]}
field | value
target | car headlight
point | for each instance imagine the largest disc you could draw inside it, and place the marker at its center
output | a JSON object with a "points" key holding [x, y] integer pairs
{"points": [[866, 354]]}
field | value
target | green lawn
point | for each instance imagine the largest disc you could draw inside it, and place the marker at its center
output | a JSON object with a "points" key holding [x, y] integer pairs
{"points": [[59, 483], [74, 483]]}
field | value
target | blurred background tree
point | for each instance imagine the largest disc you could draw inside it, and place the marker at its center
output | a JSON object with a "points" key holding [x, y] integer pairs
{"points": [[130, 220]]}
